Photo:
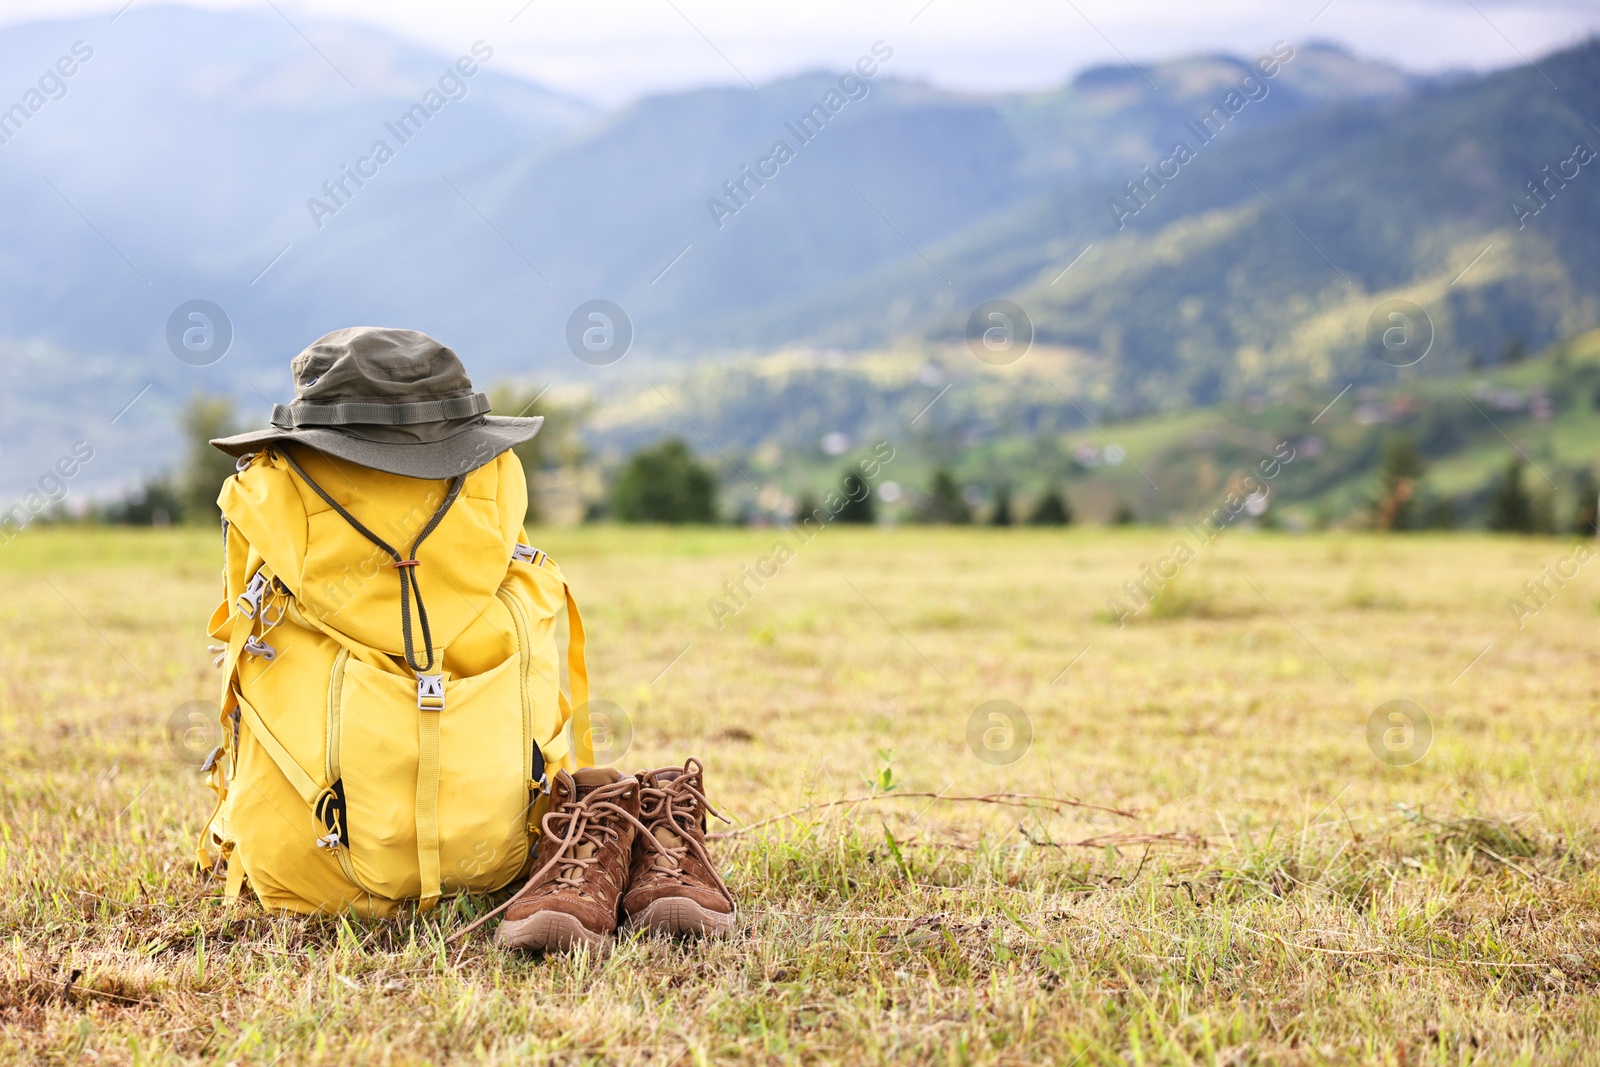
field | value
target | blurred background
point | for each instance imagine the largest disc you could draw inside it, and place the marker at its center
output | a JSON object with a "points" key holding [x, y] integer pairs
{"points": [[1079, 263]]}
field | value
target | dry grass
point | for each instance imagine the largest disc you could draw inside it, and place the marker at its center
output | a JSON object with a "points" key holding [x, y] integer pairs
{"points": [[1279, 895]]}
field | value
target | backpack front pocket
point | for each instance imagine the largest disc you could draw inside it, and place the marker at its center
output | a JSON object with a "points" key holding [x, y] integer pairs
{"points": [[466, 802]]}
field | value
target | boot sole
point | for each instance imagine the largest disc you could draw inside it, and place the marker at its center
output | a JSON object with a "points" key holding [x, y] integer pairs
{"points": [[682, 917], [547, 931]]}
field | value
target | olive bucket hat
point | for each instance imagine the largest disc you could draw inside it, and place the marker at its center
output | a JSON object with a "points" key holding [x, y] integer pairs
{"points": [[393, 400]]}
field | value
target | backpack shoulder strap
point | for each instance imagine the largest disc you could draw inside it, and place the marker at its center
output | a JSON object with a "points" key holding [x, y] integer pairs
{"points": [[578, 679]]}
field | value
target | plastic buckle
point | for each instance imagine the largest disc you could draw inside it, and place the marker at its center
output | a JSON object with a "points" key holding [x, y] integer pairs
{"points": [[245, 461], [543, 782], [331, 841], [528, 554], [257, 647], [254, 593], [430, 692], [211, 760]]}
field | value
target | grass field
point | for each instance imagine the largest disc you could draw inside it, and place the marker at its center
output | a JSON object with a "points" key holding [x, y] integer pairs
{"points": [[1253, 885]]}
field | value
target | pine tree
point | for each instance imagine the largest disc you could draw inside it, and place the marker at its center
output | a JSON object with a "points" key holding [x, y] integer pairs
{"points": [[1002, 507], [859, 506], [1544, 512], [806, 507], [1398, 474], [1510, 507], [1440, 514], [943, 503], [1051, 509], [1588, 504]]}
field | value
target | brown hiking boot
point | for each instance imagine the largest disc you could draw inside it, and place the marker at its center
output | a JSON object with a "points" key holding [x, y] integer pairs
{"points": [[581, 871], [674, 888]]}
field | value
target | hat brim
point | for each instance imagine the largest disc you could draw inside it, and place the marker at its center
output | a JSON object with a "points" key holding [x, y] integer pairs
{"points": [[461, 453]]}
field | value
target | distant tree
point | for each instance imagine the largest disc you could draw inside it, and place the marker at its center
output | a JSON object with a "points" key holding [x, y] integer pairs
{"points": [[155, 503], [665, 484], [1544, 512], [1124, 515], [1051, 509], [1439, 514], [556, 445], [1516, 350], [1398, 473], [943, 503], [191, 493], [1001, 516], [806, 506], [204, 418], [1510, 506], [859, 506], [1587, 508]]}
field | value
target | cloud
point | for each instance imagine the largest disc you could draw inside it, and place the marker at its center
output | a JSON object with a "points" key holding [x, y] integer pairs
{"points": [[624, 49]]}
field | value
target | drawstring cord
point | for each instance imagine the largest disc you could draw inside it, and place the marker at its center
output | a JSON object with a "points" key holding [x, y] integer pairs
{"points": [[406, 566]]}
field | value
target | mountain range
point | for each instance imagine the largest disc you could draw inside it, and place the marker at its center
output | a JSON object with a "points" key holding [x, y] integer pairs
{"points": [[216, 155]]}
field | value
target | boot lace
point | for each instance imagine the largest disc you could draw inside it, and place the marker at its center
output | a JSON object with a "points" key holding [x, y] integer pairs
{"points": [[681, 803], [590, 820], [586, 822]]}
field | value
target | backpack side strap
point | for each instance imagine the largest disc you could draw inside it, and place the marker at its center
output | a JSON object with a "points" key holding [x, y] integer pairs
{"points": [[301, 781], [578, 679], [247, 612]]}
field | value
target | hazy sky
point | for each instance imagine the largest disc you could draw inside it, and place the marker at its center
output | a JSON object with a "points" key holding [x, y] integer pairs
{"points": [[610, 51]]}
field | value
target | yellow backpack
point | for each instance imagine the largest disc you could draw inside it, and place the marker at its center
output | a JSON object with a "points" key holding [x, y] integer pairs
{"points": [[378, 748]]}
